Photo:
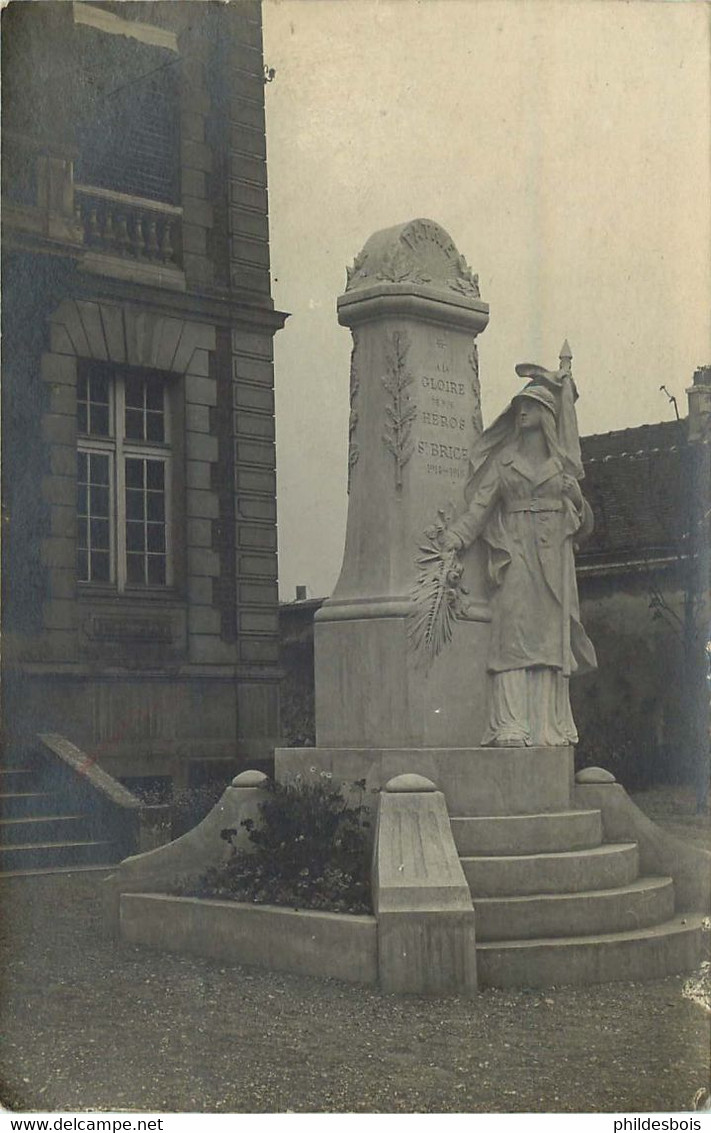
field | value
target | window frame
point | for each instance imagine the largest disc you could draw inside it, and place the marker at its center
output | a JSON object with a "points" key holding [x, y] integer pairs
{"points": [[119, 448]]}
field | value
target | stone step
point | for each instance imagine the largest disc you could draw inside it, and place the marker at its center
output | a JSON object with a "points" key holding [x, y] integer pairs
{"points": [[100, 869], [44, 828], [499, 835], [646, 901], [43, 855], [603, 867], [18, 779], [678, 945]]}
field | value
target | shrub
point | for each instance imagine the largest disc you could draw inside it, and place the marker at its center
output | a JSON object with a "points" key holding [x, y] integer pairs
{"points": [[310, 851], [613, 744]]}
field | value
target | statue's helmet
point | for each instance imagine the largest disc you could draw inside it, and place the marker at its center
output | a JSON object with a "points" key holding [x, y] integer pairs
{"points": [[534, 391]]}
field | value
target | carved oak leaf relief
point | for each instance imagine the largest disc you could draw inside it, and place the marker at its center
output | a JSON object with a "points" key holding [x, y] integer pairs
{"points": [[356, 269], [464, 280]]}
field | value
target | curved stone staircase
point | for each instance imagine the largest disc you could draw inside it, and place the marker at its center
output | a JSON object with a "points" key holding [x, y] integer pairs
{"points": [[556, 904], [556, 900]]}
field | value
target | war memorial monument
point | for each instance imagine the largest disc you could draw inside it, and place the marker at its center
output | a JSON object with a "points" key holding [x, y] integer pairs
{"points": [[443, 660]]}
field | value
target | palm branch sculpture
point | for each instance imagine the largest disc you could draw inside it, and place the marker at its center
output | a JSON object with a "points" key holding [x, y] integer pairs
{"points": [[436, 596]]}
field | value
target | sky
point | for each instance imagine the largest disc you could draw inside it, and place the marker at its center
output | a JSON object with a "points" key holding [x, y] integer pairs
{"points": [[565, 147]]}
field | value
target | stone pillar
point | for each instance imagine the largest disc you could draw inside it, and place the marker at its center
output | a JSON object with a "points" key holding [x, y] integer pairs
{"points": [[414, 310]]}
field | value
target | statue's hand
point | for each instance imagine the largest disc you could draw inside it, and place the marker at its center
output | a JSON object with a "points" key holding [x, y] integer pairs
{"points": [[571, 489], [448, 541]]}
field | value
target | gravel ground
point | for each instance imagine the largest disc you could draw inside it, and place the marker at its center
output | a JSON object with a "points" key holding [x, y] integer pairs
{"points": [[90, 1024]]}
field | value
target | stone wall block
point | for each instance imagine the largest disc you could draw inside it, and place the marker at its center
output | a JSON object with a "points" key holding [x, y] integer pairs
{"points": [[244, 222], [60, 490], [248, 114], [63, 583], [58, 368], [250, 250], [243, 167], [203, 561], [194, 239], [63, 521], [63, 460], [200, 591], [199, 475], [197, 211], [62, 400], [60, 614], [202, 504], [201, 446], [426, 939], [247, 86], [60, 342], [247, 140], [59, 429], [193, 183], [200, 391], [245, 194], [198, 269], [192, 126], [203, 620], [90, 315], [195, 99], [199, 533], [247, 59], [246, 278], [254, 370], [197, 418], [59, 552], [197, 155]]}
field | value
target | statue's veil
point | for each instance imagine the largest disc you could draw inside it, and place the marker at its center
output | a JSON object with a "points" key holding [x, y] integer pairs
{"points": [[565, 445]]}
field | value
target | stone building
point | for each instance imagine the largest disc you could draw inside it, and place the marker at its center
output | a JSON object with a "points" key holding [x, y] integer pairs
{"points": [[140, 602], [643, 579]]}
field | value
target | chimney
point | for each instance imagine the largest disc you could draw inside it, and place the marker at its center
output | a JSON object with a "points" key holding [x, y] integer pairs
{"points": [[699, 395]]}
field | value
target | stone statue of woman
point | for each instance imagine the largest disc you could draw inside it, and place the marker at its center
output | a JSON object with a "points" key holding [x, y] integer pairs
{"points": [[524, 502]]}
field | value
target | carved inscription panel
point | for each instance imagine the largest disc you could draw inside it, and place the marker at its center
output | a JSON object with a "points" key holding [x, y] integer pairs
{"points": [[446, 422]]}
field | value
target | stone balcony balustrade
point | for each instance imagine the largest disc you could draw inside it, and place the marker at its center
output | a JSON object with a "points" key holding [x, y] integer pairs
{"points": [[137, 228]]}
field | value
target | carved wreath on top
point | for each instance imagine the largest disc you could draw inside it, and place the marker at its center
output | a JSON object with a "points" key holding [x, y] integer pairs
{"points": [[399, 266]]}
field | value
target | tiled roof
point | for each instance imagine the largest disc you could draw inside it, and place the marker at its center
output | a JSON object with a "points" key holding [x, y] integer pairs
{"points": [[635, 483]]}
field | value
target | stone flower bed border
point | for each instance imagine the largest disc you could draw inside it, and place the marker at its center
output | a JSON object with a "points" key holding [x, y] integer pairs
{"points": [[333, 945]]}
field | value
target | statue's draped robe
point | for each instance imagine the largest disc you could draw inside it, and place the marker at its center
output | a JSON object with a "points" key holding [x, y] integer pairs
{"points": [[537, 640]]}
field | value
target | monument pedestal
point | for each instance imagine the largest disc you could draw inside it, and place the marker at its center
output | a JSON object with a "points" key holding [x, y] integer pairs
{"points": [[475, 781], [371, 693]]}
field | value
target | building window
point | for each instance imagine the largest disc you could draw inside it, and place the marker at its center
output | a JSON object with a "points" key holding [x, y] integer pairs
{"points": [[124, 477], [127, 114]]}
